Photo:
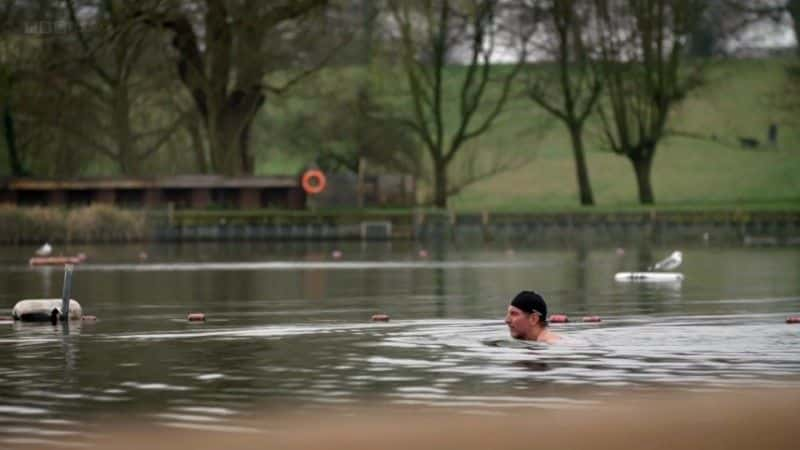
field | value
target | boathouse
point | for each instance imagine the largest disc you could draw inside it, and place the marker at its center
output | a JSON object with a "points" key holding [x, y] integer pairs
{"points": [[186, 191], [209, 191]]}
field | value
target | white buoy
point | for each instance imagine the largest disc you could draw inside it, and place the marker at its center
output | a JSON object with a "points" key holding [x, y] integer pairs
{"points": [[648, 276], [41, 309]]}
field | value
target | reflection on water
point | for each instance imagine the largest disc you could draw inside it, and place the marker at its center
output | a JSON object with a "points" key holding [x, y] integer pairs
{"points": [[289, 328]]}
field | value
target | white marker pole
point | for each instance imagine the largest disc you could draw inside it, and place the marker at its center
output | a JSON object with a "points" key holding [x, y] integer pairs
{"points": [[65, 294]]}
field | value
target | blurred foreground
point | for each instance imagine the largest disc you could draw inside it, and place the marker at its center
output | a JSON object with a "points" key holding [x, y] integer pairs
{"points": [[746, 419]]}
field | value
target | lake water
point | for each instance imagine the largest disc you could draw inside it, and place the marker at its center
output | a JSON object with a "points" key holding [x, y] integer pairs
{"points": [[289, 329]]}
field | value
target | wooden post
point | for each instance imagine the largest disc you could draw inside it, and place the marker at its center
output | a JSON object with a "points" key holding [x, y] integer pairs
{"points": [[362, 169]]}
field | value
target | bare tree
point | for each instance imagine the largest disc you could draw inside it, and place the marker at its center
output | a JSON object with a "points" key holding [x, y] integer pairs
{"points": [[13, 64], [41, 113], [29, 50], [572, 88], [343, 129], [226, 50], [430, 32], [114, 77], [793, 7], [643, 64], [7, 80]]}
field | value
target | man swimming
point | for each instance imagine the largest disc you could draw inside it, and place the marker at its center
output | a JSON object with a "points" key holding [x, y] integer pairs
{"points": [[527, 318]]}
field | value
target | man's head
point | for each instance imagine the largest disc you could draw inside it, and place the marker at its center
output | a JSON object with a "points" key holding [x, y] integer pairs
{"points": [[527, 315]]}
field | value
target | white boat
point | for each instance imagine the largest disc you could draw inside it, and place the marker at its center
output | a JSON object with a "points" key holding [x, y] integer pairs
{"points": [[648, 276]]}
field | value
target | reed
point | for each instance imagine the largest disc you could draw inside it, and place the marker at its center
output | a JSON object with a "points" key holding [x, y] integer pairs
{"points": [[97, 223], [106, 223]]}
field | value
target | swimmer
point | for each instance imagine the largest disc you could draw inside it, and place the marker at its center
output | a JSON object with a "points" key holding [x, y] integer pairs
{"points": [[527, 318]]}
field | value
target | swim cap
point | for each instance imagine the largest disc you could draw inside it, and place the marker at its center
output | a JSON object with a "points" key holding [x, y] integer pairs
{"points": [[529, 302]]}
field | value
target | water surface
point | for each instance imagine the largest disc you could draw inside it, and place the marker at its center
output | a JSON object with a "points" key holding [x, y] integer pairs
{"points": [[289, 329]]}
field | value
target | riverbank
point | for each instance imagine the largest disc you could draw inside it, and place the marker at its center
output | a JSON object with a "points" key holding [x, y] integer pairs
{"points": [[735, 419], [779, 225], [754, 225]]}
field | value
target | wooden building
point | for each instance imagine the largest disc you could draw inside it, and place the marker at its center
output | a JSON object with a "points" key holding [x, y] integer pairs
{"points": [[186, 191], [210, 191]]}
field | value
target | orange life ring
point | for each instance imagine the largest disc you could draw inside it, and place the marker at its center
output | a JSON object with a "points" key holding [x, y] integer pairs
{"points": [[313, 181]]}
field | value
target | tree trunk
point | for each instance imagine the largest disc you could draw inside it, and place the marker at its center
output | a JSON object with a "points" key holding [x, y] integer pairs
{"points": [[197, 146], [229, 133], [581, 171], [123, 134], [642, 167], [794, 10], [225, 146], [248, 159], [362, 170], [17, 169], [440, 184]]}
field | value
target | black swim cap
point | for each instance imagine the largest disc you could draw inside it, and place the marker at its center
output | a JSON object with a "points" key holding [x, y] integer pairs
{"points": [[529, 302]]}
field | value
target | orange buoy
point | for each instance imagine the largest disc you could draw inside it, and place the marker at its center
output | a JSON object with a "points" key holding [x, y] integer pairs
{"points": [[592, 319], [793, 319], [196, 317], [313, 181], [380, 318], [558, 318]]}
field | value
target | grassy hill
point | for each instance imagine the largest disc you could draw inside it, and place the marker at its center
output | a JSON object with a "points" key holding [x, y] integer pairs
{"points": [[739, 99]]}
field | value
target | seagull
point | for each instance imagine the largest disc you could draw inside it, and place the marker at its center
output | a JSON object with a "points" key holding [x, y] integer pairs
{"points": [[670, 262], [44, 250]]}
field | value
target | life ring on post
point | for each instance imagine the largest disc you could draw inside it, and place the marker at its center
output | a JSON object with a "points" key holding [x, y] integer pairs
{"points": [[313, 181]]}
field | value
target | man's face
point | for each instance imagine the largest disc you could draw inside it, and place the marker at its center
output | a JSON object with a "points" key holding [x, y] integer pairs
{"points": [[519, 322]]}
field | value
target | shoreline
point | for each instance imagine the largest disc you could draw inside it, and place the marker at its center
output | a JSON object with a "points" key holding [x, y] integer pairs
{"points": [[590, 227], [737, 418]]}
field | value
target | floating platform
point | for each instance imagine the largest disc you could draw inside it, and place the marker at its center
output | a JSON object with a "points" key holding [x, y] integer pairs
{"points": [[648, 276], [41, 310], [55, 260]]}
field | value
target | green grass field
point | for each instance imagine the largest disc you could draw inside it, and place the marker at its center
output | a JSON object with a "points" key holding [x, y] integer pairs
{"points": [[740, 99]]}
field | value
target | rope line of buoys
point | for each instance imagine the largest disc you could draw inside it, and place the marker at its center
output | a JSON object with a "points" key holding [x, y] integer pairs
{"points": [[313, 181], [196, 317], [563, 318], [558, 318]]}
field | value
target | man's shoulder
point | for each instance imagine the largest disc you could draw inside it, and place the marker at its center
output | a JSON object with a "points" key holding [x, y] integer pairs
{"points": [[549, 338]]}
